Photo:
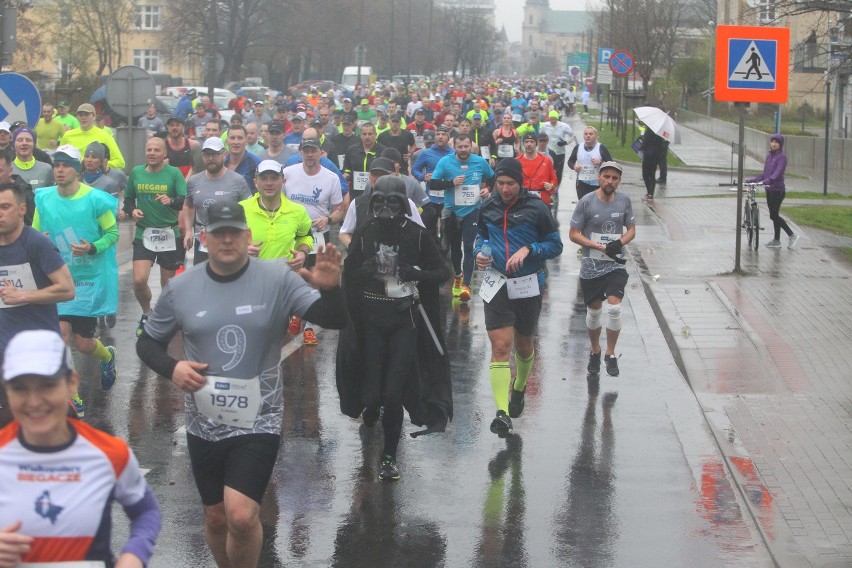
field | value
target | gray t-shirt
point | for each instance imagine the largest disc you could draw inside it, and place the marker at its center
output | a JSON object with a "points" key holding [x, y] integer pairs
{"points": [[40, 175], [202, 192], [281, 157], [105, 182], [237, 328], [599, 221], [154, 125]]}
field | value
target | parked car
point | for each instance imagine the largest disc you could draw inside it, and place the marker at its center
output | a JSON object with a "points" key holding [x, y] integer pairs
{"points": [[322, 85]]}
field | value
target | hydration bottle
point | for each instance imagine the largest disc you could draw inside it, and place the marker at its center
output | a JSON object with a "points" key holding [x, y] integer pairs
{"points": [[485, 249]]}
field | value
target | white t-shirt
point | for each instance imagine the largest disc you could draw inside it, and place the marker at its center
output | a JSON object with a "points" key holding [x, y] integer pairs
{"points": [[317, 193], [350, 221]]}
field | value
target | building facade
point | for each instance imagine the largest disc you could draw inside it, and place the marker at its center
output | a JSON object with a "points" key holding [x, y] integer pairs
{"points": [[549, 36]]}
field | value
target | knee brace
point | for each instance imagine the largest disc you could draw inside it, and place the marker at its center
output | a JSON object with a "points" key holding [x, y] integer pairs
{"points": [[614, 322], [593, 318]]}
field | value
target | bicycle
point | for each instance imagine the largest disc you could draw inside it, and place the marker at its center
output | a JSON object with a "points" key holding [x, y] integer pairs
{"points": [[751, 214]]}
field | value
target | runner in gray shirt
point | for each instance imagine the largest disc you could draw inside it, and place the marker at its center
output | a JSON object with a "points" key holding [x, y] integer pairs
{"points": [[602, 224], [215, 184], [232, 313]]}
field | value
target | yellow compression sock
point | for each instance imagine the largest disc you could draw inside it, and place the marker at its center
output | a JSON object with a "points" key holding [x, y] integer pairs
{"points": [[523, 367], [101, 352], [501, 377]]}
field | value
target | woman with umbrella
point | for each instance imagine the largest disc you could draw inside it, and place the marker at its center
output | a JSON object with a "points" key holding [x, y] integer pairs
{"points": [[655, 144]]}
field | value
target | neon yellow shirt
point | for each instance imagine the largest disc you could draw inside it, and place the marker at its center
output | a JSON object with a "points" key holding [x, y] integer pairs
{"points": [[279, 232], [79, 138]]}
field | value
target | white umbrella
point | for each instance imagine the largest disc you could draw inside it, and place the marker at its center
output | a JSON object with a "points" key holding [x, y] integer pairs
{"points": [[658, 121]]}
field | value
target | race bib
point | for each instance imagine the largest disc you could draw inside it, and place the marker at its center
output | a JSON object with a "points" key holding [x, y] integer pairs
{"points": [[467, 195], [360, 180], [340, 161], [517, 118], [485, 152], [319, 241], [439, 193], [19, 276], [505, 151], [587, 173], [523, 287], [602, 238], [295, 148], [396, 288], [201, 247], [492, 281], [419, 142], [77, 564], [159, 240], [231, 402]]}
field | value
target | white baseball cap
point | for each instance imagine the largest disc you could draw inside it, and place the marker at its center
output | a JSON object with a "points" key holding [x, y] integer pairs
{"points": [[5, 126], [36, 352], [214, 143], [269, 166]]}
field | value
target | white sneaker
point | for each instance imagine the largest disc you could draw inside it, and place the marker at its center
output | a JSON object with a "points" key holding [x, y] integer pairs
{"points": [[794, 238], [773, 244]]}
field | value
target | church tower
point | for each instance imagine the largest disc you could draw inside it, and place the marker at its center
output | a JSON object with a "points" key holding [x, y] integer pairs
{"points": [[534, 13]]}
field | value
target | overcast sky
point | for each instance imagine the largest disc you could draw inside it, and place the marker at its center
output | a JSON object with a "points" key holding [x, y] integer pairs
{"points": [[511, 13]]}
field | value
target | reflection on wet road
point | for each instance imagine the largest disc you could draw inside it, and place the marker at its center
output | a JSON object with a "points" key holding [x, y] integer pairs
{"points": [[561, 492]]}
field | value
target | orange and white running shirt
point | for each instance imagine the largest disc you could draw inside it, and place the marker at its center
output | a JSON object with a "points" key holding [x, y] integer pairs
{"points": [[63, 496]]}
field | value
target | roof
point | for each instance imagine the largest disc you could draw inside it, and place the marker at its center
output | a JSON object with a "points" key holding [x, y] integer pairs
{"points": [[565, 22]]}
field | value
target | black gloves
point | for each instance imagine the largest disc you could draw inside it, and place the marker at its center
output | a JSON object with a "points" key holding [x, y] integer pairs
{"points": [[408, 273], [613, 249], [562, 143]]}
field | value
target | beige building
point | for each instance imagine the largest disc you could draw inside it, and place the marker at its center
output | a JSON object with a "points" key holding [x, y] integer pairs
{"points": [[548, 36], [141, 45]]}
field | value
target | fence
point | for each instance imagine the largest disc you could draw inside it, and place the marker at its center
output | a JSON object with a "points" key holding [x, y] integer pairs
{"points": [[801, 151]]}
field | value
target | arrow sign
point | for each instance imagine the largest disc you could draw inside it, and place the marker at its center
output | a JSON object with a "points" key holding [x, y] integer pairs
{"points": [[19, 99]]}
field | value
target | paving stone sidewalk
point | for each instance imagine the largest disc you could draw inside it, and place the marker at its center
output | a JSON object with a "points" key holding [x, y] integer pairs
{"points": [[767, 353]]}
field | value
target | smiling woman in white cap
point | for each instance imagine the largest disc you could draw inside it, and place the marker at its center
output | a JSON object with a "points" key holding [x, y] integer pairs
{"points": [[58, 476]]}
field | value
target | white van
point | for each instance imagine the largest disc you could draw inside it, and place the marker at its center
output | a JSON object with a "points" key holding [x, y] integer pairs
{"points": [[350, 77]]}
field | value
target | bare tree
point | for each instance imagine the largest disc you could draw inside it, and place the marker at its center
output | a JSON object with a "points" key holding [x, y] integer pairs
{"points": [[96, 24]]}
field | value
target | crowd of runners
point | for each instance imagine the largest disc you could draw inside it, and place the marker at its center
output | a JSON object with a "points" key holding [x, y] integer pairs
{"points": [[298, 214]]}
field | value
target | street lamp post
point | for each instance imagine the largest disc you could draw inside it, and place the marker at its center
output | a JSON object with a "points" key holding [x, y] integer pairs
{"points": [[710, 69]]}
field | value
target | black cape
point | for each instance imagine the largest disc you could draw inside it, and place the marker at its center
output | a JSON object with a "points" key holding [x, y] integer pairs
{"points": [[428, 395]]}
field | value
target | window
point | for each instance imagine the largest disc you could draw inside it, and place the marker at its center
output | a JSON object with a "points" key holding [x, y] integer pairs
{"points": [[531, 40], [147, 59], [531, 19], [148, 17], [766, 10], [810, 56]]}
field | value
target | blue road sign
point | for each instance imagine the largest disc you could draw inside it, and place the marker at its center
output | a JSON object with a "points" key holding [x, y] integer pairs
{"points": [[621, 62], [752, 63], [604, 53], [19, 99]]}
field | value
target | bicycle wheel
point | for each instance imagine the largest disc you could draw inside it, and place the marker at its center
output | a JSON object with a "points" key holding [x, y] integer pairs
{"points": [[755, 221], [747, 224]]}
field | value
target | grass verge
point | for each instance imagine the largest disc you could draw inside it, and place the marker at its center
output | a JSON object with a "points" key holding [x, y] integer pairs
{"points": [[837, 220]]}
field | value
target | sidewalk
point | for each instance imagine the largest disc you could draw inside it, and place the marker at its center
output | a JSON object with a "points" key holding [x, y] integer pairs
{"points": [[766, 353]]}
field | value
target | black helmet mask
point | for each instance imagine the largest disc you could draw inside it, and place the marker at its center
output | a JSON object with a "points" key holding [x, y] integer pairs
{"points": [[388, 200]]}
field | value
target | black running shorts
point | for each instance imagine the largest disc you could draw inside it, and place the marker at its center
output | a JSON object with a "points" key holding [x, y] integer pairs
{"points": [[81, 325], [602, 287], [169, 260], [243, 463], [522, 314]]}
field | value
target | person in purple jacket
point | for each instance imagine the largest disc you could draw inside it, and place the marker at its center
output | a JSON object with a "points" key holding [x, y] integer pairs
{"points": [[773, 181]]}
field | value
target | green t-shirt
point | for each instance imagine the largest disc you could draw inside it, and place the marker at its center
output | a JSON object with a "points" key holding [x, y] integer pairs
{"points": [[68, 120], [145, 186]]}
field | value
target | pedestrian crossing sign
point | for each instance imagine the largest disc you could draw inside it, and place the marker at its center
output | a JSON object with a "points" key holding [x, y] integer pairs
{"points": [[752, 64]]}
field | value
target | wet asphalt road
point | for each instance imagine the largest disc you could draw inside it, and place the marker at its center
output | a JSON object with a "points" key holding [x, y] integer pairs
{"points": [[601, 472]]}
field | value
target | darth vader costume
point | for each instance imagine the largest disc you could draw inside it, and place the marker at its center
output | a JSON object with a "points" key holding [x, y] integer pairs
{"points": [[392, 353]]}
